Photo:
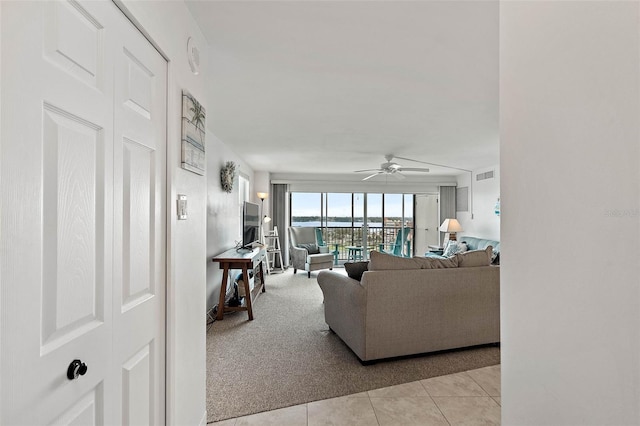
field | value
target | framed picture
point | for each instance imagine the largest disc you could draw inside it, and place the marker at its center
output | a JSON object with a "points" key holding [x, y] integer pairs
{"points": [[193, 132]]}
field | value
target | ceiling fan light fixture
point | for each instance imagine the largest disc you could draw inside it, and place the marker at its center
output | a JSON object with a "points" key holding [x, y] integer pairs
{"points": [[391, 168]]}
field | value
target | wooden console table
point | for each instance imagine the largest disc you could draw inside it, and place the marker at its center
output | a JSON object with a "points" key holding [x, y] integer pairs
{"points": [[233, 259]]}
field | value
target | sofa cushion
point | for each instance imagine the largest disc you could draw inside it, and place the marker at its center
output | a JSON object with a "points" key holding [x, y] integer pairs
{"points": [[481, 244], [440, 263], [474, 258], [314, 259], [356, 269], [384, 262], [311, 248]]}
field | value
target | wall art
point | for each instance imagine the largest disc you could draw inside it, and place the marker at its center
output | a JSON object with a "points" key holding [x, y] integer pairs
{"points": [[193, 133]]}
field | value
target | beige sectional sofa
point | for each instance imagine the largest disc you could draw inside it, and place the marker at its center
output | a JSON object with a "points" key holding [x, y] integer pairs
{"points": [[412, 306]]}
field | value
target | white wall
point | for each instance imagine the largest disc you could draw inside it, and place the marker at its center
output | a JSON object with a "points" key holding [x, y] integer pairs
{"points": [[485, 223], [224, 214], [570, 163], [262, 183], [170, 24]]}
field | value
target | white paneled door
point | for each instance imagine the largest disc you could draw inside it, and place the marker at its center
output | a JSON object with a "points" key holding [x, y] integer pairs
{"points": [[83, 220], [426, 216]]}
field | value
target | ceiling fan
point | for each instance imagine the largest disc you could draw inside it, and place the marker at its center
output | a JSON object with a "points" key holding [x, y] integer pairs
{"points": [[392, 168]]}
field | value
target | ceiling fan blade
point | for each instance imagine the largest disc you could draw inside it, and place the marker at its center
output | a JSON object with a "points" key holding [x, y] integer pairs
{"points": [[367, 170], [398, 176], [414, 169], [411, 159], [375, 174]]}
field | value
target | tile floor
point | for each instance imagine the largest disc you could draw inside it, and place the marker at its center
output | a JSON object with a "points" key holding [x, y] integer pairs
{"points": [[468, 398]]}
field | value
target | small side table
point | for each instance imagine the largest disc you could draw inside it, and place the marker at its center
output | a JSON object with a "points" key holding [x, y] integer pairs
{"points": [[436, 249], [354, 253]]}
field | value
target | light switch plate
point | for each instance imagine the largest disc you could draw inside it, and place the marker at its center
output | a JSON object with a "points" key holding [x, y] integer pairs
{"points": [[182, 207]]}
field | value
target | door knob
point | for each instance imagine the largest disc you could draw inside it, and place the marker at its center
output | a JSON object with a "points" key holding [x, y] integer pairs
{"points": [[76, 368]]}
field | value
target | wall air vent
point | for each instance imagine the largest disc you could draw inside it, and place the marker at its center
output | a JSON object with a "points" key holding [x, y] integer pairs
{"points": [[485, 175], [462, 199]]}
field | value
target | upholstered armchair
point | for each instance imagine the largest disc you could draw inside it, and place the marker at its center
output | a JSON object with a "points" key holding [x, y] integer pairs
{"points": [[305, 252]]}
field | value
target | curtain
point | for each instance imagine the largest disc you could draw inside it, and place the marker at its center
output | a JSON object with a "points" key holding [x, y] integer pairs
{"points": [[279, 209], [447, 205]]}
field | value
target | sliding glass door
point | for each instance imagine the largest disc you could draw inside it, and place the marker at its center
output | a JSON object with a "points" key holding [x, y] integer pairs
{"points": [[355, 223]]}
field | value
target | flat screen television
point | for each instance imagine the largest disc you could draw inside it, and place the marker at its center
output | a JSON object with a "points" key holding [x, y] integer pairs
{"points": [[250, 224]]}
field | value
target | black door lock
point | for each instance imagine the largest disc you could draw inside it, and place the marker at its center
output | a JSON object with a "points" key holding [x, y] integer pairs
{"points": [[76, 368]]}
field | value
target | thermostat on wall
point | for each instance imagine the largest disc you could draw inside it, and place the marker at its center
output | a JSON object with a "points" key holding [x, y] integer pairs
{"points": [[193, 53]]}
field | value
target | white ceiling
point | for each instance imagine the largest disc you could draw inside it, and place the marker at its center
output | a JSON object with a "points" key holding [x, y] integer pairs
{"points": [[330, 87]]}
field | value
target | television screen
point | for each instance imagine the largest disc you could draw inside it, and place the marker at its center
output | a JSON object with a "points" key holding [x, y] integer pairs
{"points": [[250, 224]]}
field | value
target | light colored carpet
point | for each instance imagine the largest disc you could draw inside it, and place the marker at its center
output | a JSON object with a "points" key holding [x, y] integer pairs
{"points": [[287, 355]]}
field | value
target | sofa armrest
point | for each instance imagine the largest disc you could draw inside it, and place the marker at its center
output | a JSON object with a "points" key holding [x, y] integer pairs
{"points": [[345, 306], [338, 287]]}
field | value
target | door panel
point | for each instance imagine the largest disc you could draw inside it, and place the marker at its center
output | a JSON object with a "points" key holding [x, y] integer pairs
{"points": [[137, 388], [74, 40], [79, 72], [57, 143], [139, 85], [139, 232], [87, 411], [73, 215]]}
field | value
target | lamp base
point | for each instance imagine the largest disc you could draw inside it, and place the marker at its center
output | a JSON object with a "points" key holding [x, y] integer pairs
{"points": [[452, 236]]}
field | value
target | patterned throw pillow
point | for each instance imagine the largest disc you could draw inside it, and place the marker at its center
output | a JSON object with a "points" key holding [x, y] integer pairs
{"points": [[452, 248]]}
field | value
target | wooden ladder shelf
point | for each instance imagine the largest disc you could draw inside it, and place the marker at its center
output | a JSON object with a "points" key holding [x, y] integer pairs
{"points": [[272, 244]]}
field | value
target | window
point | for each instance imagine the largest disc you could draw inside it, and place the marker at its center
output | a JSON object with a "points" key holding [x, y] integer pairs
{"points": [[306, 209], [342, 217], [375, 213], [339, 210]]}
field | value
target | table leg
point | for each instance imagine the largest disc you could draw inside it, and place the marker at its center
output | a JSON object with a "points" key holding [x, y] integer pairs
{"points": [[247, 290], [261, 275], [223, 291]]}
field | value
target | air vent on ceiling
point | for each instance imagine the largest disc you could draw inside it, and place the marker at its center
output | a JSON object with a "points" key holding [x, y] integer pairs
{"points": [[485, 175]]}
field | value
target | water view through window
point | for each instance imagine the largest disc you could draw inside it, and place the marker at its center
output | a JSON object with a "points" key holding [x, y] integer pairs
{"points": [[347, 209], [342, 216]]}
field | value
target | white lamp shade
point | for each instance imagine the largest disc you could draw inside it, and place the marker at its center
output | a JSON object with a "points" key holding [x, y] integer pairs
{"points": [[450, 225]]}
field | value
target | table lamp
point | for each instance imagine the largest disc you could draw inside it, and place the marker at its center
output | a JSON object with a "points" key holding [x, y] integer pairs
{"points": [[451, 226]]}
